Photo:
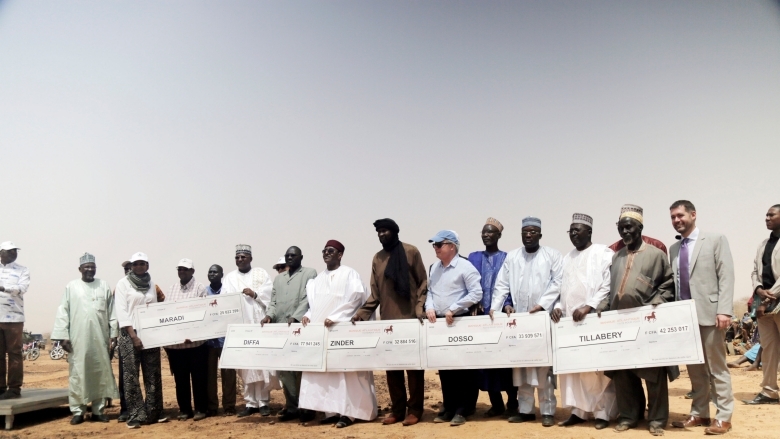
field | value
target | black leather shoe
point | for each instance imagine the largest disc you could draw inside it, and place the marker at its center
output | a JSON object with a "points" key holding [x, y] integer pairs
{"points": [[548, 421], [573, 420], [98, 418], [522, 417], [330, 420], [248, 411], [601, 424], [761, 399], [307, 415], [288, 415], [264, 411], [76, 420], [344, 422]]}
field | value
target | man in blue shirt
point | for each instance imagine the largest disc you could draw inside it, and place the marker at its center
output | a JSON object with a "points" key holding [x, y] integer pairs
{"points": [[454, 286]]}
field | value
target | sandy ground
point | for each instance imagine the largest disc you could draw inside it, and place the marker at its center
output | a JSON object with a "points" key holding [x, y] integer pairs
{"points": [[750, 422]]}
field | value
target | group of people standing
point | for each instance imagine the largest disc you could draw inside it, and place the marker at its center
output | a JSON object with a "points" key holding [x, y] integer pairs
{"points": [[588, 280]]}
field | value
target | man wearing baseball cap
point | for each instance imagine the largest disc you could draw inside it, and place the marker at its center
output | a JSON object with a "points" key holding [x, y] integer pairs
{"points": [[14, 281], [454, 286], [190, 358]]}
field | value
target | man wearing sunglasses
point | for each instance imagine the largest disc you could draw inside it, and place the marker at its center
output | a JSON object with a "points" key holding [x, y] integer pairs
{"points": [[453, 288], [532, 275]]}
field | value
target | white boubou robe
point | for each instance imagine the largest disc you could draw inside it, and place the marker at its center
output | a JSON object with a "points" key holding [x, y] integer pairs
{"points": [[586, 279], [337, 295], [258, 281], [531, 279]]}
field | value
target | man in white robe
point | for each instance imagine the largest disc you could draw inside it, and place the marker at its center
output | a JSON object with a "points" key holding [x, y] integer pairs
{"points": [[256, 286], [586, 278], [532, 275], [335, 295], [87, 326]]}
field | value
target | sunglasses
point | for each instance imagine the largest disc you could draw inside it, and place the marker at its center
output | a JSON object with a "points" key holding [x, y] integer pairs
{"points": [[182, 269], [139, 263], [439, 244], [329, 251]]}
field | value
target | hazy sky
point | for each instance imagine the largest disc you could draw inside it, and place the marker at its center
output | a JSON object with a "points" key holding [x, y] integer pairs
{"points": [[183, 128]]}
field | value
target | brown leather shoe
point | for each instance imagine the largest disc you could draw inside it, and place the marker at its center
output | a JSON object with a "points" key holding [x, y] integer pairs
{"points": [[390, 419], [718, 427], [410, 420], [692, 421]]}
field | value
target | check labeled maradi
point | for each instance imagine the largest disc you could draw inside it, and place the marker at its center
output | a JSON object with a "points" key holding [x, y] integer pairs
{"points": [[643, 337]]}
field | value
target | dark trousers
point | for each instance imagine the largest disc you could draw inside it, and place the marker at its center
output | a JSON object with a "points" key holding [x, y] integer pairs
{"points": [[459, 391], [228, 383], [190, 364], [291, 385], [497, 401], [397, 388], [11, 344], [134, 362], [122, 402], [631, 397]]}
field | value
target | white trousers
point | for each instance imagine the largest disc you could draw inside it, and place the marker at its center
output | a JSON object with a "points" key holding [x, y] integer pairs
{"points": [[545, 388], [97, 408], [257, 394]]}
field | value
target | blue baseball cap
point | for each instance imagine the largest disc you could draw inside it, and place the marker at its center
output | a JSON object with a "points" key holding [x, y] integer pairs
{"points": [[449, 235]]}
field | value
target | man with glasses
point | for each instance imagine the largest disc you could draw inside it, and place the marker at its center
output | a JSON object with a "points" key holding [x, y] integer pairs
{"points": [[585, 284], [334, 296], [532, 276], [255, 285], [288, 305], [190, 358], [454, 286]]}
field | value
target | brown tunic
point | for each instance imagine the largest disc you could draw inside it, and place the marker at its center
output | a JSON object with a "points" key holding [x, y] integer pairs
{"points": [[395, 307]]}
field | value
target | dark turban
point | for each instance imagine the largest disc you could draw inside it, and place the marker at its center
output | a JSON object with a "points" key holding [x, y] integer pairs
{"points": [[335, 244], [397, 268], [387, 223]]}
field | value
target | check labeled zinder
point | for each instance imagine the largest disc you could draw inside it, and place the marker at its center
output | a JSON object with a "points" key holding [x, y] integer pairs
{"points": [[374, 345]]}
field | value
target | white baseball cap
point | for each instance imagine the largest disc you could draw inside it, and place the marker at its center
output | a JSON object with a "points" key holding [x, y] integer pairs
{"points": [[186, 263], [281, 261], [8, 245], [139, 256]]}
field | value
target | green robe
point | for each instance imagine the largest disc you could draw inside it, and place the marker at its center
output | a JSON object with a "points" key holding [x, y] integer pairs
{"points": [[86, 317]]}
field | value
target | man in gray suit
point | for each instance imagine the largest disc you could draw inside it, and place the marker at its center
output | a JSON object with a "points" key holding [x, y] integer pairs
{"points": [[288, 305], [704, 271]]}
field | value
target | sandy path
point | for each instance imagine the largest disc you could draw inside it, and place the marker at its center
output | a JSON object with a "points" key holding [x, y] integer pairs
{"points": [[750, 422]]}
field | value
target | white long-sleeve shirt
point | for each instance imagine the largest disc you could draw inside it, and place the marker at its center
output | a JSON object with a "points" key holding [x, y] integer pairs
{"points": [[15, 279], [531, 278], [127, 298]]}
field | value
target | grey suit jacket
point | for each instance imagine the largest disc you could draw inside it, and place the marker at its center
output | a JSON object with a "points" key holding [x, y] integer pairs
{"points": [[712, 276]]}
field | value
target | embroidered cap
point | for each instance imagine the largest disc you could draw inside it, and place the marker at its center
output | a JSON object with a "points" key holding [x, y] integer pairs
{"points": [[86, 258]]}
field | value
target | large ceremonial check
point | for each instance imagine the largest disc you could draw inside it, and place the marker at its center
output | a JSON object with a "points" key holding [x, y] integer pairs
{"points": [[520, 340], [275, 347], [375, 345], [167, 323], [667, 335]]}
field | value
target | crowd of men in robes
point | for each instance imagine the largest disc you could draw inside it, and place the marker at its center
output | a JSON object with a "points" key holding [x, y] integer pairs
{"points": [[588, 280]]}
